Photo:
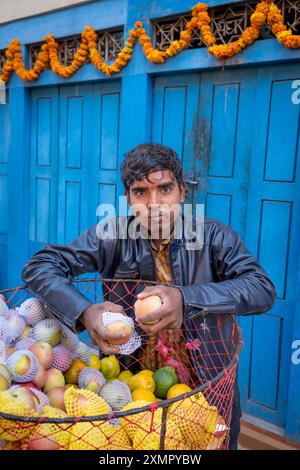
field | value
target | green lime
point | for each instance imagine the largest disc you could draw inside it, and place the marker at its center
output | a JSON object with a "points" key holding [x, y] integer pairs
{"points": [[164, 378]]}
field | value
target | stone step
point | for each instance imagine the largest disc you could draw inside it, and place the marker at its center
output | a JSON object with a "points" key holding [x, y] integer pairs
{"points": [[255, 438]]}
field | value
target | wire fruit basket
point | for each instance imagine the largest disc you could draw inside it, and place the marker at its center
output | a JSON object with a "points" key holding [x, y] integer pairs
{"points": [[174, 392]]}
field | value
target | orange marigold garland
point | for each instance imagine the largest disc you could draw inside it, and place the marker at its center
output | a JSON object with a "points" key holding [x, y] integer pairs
{"points": [[284, 35], [203, 23], [257, 19], [122, 59], [78, 60], [266, 12]]}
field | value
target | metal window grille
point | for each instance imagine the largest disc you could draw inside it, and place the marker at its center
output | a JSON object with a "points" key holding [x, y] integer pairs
{"points": [[228, 23], [2, 59], [110, 43]]}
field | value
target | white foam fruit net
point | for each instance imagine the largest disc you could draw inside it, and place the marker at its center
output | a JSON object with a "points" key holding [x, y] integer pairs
{"points": [[16, 325], [134, 340], [88, 374], [16, 361], [116, 393], [83, 352], [62, 358], [4, 310], [4, 371], [24, 343], [42, 398], [33, 311], [44, 330], [2, 351], [3, 330], [69, 339]]}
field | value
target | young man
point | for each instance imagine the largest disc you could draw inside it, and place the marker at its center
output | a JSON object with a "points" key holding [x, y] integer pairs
{"points": [[219, 277]]}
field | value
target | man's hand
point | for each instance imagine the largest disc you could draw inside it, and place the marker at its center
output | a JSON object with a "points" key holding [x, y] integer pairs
{"points": [[92, 320], [169, 315]]}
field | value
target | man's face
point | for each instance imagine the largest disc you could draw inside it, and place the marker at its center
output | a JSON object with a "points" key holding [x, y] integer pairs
{"points": [[156, 202]]}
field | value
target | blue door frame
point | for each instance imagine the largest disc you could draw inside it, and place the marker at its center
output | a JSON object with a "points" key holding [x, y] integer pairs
{"points": [[137, 106]]}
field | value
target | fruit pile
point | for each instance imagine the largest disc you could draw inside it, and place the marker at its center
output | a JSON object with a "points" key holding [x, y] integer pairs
{"points": [[46, 372]]}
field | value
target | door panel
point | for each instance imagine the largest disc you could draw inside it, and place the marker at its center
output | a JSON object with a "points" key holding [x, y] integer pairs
{"points": [[4, 203], [175, 117], [43, 168], [75, 106], [226, 102]]}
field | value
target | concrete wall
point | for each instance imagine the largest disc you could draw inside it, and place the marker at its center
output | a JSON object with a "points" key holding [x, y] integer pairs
{"points": [[15, 9]]}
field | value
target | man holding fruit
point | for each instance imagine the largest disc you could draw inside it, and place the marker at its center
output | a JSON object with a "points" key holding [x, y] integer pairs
{"points": [[218, 278]]}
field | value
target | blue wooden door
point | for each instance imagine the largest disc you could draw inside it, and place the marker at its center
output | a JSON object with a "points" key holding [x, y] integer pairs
{"points": [[272, 234], [4, 203], [73, 163], [227, 127]]}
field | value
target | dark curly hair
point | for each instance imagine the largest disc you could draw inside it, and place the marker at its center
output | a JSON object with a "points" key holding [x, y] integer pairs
{"points": [[146, 158]]}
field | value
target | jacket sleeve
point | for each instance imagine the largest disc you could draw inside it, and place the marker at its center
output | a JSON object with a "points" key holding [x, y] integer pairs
{"points": [[49, 272], [242, 287]]}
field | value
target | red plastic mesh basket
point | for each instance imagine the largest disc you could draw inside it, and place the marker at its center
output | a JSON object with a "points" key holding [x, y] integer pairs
{"points": [[204, 354]]}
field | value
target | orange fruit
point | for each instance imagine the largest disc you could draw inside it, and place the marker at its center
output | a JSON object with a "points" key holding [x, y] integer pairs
{"points": [[178, 389], [71, 375], [143, 394]]}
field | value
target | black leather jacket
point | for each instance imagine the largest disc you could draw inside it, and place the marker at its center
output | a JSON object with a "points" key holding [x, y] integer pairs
{"points": [[218, 281]]}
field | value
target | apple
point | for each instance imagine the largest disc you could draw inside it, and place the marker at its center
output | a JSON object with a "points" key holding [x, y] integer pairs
{"points": [[147, 305], [45, 435], [4, 384], [56, 397], [22, 395], [62, 358], [120, 330], [35, 399], [43, 352], [42, 443], [28, 385], [54, 378], [40, 377], [22, 365], [5, 378], [93, 386], [47, 330], [55, 339]]}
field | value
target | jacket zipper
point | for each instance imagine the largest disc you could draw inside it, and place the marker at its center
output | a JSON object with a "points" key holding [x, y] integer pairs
{"points": [[213, 308], [214, 305]]}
